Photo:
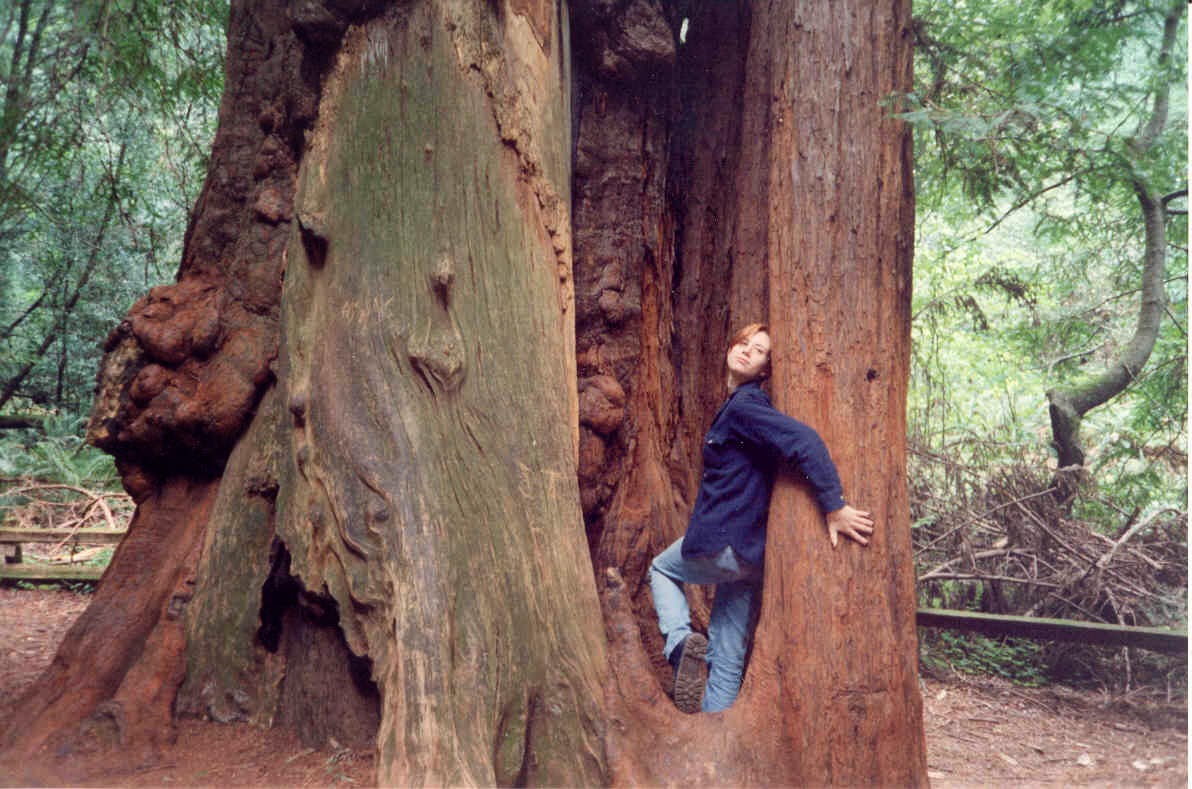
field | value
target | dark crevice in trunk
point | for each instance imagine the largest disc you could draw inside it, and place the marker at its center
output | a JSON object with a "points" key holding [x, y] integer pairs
{"points": [[328, 692], [278, 594]]}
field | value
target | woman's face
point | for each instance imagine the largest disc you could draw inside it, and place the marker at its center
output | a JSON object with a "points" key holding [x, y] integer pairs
{"points": [[749, 360]]}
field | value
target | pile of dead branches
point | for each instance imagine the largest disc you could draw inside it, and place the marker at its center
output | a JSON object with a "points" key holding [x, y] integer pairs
{"points": [[29, 504], [1014, 548], [1006, 541]]}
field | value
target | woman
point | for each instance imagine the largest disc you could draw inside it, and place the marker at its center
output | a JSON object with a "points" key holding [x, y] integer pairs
{"points": [[725, 542]]}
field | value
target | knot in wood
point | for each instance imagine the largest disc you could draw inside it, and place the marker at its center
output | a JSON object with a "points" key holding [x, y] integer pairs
{"points": [[298, 408], [442, 278], [177, 605], [439, 359], [312, 227]]}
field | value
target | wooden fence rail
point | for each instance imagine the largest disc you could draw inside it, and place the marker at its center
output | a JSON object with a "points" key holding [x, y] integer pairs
{"points": [[14, 568], [1171, 642]]}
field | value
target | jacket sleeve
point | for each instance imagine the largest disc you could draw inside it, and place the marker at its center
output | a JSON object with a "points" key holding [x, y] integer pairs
{"points": [[762, 426]]}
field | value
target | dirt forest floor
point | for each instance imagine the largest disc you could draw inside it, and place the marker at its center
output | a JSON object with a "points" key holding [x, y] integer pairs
{"points": [[980, 732]]}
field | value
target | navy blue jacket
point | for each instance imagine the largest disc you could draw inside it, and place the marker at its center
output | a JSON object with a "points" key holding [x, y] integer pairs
{"points": [[749, 441]]}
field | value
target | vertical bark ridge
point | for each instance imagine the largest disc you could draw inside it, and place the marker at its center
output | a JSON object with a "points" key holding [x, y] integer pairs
{"points": [[624, 262]]}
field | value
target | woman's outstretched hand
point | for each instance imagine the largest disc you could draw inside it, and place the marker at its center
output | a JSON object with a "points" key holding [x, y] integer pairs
{"points": [[850, 522]]}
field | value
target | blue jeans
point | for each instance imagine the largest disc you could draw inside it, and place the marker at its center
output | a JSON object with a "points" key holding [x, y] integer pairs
{"points": [[730, 628]]}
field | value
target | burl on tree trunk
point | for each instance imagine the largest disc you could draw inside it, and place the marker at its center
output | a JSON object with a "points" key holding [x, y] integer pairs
{"points": [[180, 381], [358, 503]]}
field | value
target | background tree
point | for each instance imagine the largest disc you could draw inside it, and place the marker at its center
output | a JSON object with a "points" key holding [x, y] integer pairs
{"points": [[1032, 258], [105, 119], [1073, 117]]}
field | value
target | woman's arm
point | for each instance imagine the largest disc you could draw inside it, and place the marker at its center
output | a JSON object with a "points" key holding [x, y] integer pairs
{"points": [[791, 443], [798, 444]]}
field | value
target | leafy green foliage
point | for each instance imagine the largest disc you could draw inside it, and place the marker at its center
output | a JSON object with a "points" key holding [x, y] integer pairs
{"points": [[1017, 660], [78, 587], [1018, 99], [995, 323], [106, 115], [59, 455], [1030, 241], [1036, 124]]}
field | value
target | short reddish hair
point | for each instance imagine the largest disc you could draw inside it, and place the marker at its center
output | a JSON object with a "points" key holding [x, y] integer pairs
{"points": [[745, 332]]}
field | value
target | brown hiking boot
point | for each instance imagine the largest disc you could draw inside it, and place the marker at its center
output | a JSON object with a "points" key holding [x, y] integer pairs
{"points": [[691, 672]]}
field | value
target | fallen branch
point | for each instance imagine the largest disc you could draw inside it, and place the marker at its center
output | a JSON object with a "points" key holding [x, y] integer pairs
{"points": [[1047, 530], [1034, 610], [1105, 559], [36, 510], [21, 422], [978, 555], [23, 490], [983, 515]]}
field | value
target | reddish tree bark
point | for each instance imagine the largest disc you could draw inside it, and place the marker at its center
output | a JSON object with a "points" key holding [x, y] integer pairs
{"points": [[790, 199], [624, 262], [839, 244]]}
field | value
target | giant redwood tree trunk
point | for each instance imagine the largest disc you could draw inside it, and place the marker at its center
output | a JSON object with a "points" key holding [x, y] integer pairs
{"points": [[353, 425], [394, 548], [789, 200], [427, 283], [839, 242]]}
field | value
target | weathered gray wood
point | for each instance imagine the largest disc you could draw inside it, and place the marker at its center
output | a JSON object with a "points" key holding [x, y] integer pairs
{"points": [[420, 467], [1172, 642], [76, 536], [50, 572]]}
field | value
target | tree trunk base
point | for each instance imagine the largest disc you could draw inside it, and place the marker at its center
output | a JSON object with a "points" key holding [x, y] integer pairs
{"points": [[120, 665]]}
